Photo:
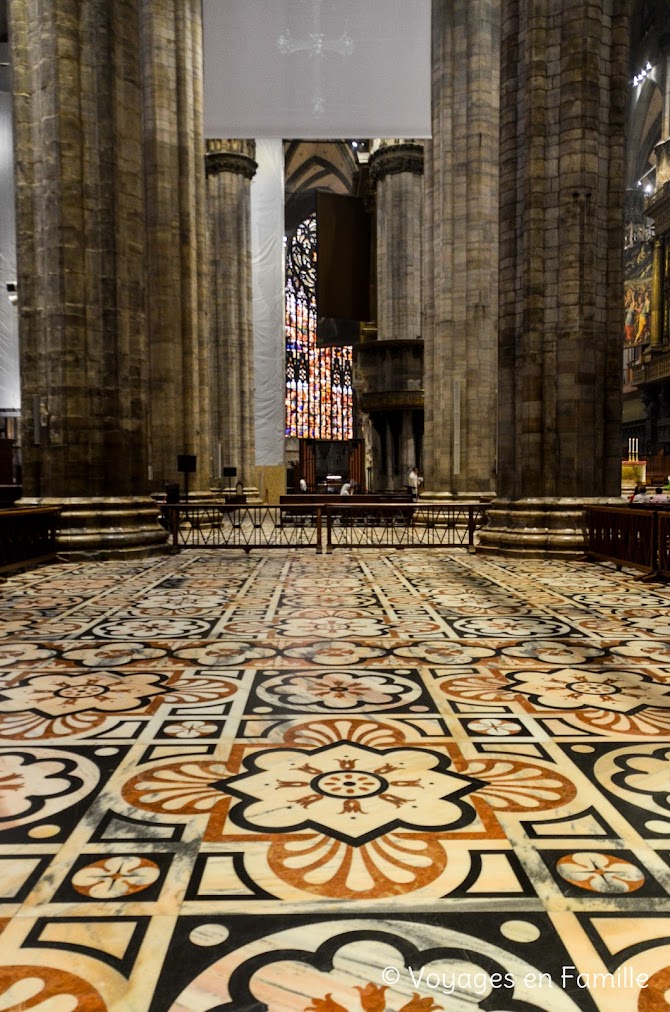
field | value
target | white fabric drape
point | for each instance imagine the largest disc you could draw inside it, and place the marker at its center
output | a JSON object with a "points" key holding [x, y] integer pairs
{"points": [[317, 68], [10, 395], [267, 277]]}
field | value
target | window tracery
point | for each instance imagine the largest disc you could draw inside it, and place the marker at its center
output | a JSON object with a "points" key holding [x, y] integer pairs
{"points": [[319, 394]]}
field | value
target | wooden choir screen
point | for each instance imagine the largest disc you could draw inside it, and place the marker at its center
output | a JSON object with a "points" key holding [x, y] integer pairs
{"points": [[307, 463]]}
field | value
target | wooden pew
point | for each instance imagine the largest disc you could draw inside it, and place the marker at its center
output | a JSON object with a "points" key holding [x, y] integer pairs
{"points": [[303, 506]]}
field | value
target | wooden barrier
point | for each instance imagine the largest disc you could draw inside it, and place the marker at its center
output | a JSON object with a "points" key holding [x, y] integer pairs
{"points": [[301, 509], [624, 536], [663, 542], [307, 498], [27, 536]]}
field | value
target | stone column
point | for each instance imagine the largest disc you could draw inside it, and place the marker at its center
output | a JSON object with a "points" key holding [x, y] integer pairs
{"points": [[461, 249], [230, 168], [658, 264], [563, 102], [396, 169], [171, 40], [563, 111], [665, 115], [657, 207], [80, 247], [390, 368]]}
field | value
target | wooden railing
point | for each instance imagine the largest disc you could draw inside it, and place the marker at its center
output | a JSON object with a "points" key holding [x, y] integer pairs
{"points": [[657, 369], [627, 536], [323, 527], [27, 536]]}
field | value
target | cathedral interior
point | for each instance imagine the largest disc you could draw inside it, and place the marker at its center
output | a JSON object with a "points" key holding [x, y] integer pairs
{"points": [[278, 761]]}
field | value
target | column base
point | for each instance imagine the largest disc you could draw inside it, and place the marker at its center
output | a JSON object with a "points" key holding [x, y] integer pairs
{"points": [[430, 496], [218, 493], [253, 495], [103, 528], [538, 528]]}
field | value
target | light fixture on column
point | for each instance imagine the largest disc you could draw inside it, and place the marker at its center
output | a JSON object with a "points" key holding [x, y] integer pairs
{"points": [[640, 76], [12, 293]]}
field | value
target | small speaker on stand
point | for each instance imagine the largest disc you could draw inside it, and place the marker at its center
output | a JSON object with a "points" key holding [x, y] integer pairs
{"points": [[186, 465]]}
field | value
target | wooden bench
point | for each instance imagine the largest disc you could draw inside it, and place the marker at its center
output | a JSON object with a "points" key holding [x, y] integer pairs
{"points": [[331, 499], [300, 509]]}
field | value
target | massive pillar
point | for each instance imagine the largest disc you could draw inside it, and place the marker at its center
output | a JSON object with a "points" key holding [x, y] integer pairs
{"points": [[563, 108], [391, 367], [563, 111], [171, 46], [396, 168], [662, 149], [80, 246], [658, 266], [110, 246], [461, 249], [230, 167]]}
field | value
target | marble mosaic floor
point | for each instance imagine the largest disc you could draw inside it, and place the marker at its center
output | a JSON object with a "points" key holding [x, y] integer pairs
{"points": [[302, 783]]}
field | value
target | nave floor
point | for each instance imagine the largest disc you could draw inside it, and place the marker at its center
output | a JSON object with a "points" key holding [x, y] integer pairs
{"points": [[405, 781]]}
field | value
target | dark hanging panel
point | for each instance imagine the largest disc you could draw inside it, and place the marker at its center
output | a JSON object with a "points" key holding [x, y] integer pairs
{"points": [[343, 257]]}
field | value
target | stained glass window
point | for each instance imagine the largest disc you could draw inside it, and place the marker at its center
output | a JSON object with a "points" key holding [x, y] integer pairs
{"points": [[319, 395]]}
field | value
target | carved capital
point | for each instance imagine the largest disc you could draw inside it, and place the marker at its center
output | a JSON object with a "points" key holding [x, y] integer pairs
{"points": [[235, 156], [394, 158], [657, 207], [662, 152]]}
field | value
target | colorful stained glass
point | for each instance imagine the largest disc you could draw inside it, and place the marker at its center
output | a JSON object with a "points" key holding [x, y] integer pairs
{"points": [[319, 393]]}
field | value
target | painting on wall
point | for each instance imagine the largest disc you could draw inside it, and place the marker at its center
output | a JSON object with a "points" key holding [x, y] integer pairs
{"points": [[637, 293]]}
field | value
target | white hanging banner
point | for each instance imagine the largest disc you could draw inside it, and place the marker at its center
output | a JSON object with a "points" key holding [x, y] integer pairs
{"points": [[317, 68], [267, 285], [10, 394]]}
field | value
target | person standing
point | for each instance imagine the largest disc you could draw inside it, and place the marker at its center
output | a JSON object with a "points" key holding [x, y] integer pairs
{"points": [[414, 479]]}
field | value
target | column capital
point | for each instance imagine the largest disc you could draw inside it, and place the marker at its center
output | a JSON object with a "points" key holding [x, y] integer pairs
{"points": [[395, 158], [235, 156], [662, 152]]}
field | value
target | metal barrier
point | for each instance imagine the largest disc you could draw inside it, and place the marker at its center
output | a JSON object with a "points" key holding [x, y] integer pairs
{"points": [[409, 525], [216, 525], [27, 536], [624, 536], [416, 525]]}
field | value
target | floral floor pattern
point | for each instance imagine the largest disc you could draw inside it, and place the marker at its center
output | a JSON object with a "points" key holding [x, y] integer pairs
{"points": [[303, 783]]}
